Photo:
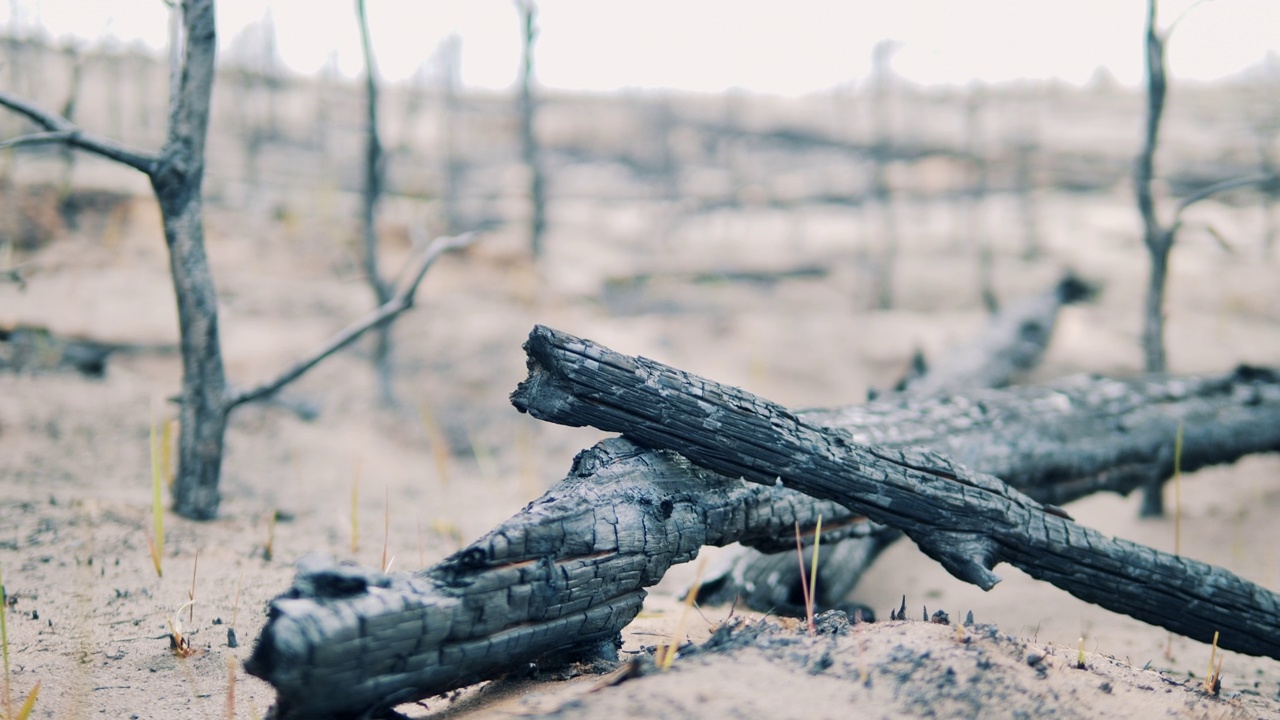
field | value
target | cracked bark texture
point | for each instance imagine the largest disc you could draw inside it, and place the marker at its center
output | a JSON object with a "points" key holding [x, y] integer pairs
{"points": [[566, 572], [967, 521], [569, 570], [1012, 343]]}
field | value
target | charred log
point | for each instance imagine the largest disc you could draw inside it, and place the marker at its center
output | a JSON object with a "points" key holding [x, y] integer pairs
{"points": [[569, 570]]}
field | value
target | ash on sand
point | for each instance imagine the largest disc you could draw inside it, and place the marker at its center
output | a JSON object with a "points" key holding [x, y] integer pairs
{"points": [[763, 668]]}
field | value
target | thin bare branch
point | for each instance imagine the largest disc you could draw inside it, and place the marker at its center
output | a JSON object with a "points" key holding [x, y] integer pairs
{"points": [[77, 138], [400, 302], [1209, 191], [40, 138], [1181, 16]]}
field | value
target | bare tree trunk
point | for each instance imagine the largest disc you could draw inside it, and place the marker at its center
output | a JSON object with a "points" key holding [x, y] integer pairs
{"points": [[68, 156], [177, 180], [176, 175], [882, 78], [374, 181], [1267, 164], [528, 138], [449, 57], [974, 229], [1025, 179], [1158, 239]]}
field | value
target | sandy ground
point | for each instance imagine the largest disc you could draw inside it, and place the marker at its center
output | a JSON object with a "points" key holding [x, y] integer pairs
{"points": [[88, 618]]}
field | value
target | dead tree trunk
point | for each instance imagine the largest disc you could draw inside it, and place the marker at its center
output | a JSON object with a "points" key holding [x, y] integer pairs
{"points": [[1158, 237], [374, 179], [882, 149], [176, 175], [569, 570], [975, 199], [177, 181], [528, 138], [967, 521], [449, 58], [65, 204]]}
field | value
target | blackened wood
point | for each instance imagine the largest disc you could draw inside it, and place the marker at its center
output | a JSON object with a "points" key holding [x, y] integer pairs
{"points": [[1011, 344], [967, 521], [1057, 443], [567, 571], [624, 514]]}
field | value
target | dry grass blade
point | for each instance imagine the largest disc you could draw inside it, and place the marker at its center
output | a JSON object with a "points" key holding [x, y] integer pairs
{"points": [[804, 580], [1213, 677], [386, 531], [4, 645], [1177, 491], [437, 442], [355, 513], [191, 594], [155, 540], [269, 550], [812, 594], [29, 704], [665, 655], [231, 688], [166, 451]]}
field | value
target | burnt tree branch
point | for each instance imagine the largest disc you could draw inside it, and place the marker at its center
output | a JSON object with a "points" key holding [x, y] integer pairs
{"points": [[569, 570], [398, 303], [1013, 342], [1263, 180], [967, 521], [59, 129]]}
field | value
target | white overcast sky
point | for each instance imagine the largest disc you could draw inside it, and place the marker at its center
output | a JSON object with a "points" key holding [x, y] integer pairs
{"points": [[791, 47]]}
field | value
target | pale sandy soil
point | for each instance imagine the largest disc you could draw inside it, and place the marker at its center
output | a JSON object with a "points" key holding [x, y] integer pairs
{"points": [[88, 617]]}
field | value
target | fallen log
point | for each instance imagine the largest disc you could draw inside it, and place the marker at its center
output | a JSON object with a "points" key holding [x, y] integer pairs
{"points": [[1012, 343], [569, 570], [967, 521]]}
